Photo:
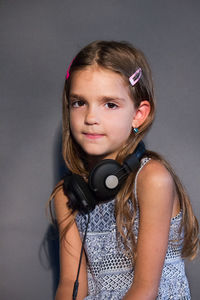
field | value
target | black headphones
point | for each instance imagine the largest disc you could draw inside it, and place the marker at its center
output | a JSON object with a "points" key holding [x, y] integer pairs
{"points": [[104, 182]]}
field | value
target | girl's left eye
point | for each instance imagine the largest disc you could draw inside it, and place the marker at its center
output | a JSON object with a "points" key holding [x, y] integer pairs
{"points": [[111, 105]]}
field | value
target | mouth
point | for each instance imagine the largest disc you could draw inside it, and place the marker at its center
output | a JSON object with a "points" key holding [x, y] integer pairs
{"points": [[93, 135]]}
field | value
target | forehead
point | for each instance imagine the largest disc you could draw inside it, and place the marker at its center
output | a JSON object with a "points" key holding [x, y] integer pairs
{"points": [[94, 80]]}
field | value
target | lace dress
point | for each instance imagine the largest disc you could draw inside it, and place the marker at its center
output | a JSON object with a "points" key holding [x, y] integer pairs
{"points": [[111, 272]]}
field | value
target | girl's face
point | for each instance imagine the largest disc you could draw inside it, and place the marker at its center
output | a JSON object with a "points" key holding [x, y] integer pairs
{"points": [[101, 111]]}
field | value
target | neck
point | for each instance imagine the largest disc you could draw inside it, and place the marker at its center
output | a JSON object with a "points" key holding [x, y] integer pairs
{"points": [[93, 160]]}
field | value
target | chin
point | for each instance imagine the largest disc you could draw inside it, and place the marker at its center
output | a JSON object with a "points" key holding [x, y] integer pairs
{"points": [[97, 153], [93, 151]]}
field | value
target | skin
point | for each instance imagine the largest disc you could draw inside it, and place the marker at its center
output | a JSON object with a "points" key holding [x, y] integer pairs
{"points": [[101, 123], [102, 114]]}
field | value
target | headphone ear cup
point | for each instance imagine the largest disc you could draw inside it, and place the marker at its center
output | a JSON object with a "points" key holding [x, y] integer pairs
{"points": [[104, 180], [80, 196]]}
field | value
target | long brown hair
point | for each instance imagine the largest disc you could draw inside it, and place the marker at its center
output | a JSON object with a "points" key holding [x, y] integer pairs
{"points": [[124, 59]]}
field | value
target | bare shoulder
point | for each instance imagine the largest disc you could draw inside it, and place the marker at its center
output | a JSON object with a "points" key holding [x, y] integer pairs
{"points": [[60, 197], [155, 182], [61, 209], [155, 173]]}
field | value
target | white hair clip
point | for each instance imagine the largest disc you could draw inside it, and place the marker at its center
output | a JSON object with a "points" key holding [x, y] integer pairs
{"points": [[135, 77]]}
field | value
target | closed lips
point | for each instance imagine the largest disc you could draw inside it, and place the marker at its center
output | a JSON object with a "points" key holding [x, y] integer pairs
{"points": [[93, 135]]}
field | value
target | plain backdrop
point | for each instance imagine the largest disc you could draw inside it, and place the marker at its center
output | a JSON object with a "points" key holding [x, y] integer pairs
{"points": [[38, 40]]}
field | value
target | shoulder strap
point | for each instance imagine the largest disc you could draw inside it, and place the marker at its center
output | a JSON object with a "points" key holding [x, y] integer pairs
{"points": [[144, 161]]}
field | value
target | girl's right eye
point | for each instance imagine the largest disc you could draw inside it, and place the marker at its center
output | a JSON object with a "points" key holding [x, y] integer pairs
{"points": [[77, 103]]}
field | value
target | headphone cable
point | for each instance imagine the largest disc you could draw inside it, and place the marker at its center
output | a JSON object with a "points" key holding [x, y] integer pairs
{"points": [[76, 283]]}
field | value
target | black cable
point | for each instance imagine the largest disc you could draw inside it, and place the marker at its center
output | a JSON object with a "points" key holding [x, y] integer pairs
{"points": [[76, 283]]}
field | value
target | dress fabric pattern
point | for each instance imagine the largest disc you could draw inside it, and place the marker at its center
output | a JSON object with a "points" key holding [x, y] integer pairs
{"points": [[111, 271]]}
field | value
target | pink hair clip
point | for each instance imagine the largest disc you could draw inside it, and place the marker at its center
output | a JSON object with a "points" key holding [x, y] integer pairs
{"points": [[67, 75], [135, 77]]}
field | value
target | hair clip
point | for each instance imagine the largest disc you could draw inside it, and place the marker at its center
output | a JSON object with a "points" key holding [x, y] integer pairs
{"points": [[135, 77], [67, 75]]}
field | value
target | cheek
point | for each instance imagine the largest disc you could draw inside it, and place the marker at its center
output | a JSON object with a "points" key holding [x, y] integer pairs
{"points": [[124, 130], [73, 122], [121, 123]]}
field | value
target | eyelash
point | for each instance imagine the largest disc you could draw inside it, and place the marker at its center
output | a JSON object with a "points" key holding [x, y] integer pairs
{"points": [[79, 103], [114, 106]]}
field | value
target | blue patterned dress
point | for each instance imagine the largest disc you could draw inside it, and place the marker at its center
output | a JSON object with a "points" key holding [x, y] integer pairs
{"points": [[111, 272]]}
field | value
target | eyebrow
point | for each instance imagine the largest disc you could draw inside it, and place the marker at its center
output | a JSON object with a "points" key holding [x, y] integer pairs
{"points": [[104, 98]]}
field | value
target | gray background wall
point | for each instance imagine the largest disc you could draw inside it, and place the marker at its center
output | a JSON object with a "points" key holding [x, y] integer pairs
{"points": [[38, 40]]}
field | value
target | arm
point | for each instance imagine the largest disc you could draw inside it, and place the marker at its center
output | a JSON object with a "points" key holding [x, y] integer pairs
{"points": [[157, 201], [70, 247]]}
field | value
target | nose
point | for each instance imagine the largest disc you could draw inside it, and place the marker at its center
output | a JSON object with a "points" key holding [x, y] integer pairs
{"points": [[91, 116]]}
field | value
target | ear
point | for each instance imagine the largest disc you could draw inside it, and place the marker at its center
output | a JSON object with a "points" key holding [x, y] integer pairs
{"points": [[141, 114]]}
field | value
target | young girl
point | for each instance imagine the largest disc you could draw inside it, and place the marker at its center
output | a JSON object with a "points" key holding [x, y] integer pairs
{"points": [[135, 242]]}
